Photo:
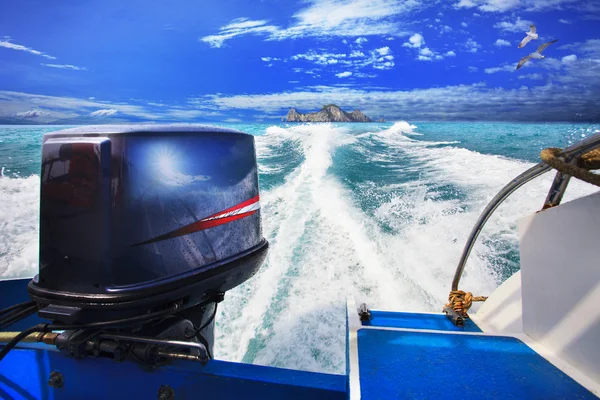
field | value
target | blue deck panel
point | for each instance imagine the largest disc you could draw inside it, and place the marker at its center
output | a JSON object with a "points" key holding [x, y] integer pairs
{"points": [[24, 374], [404, 320], [419, 365]]}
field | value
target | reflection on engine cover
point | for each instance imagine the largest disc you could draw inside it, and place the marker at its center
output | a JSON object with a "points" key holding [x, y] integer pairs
{"points": [[128, 206]]}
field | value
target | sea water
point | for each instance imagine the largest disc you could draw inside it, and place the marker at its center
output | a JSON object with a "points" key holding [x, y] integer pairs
{"points": [[379, 212]]}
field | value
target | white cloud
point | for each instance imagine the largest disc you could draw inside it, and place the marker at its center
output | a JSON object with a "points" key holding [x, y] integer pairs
{"points": [[426, 54], [31, 114], [361, 40], [325, 18], [502, 43], [425, 51], [489, 5], [364, 75], [237, 28], [103, 113], [472, 46], [415, 41], [319, 58], [269, 59], [63, 107], [464, 24], [57, 108], [344, 74], [520, 25], [535, 76], [445, 29], [591, 47], [182, 115], [502, 68], [65, 66], [243, 23], [383, 51], [293, 81], [380, 58], [547, 102], [564, 21], [507, 5], [8, 44], [569, 58], [232, 120], [385, 65], [473, 69]]}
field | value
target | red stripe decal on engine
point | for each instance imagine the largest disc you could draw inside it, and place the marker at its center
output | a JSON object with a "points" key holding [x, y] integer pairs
{"points": [[236, 212]]}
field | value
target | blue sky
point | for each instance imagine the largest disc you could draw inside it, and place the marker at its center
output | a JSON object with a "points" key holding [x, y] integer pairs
{"points": [[238, 61]]}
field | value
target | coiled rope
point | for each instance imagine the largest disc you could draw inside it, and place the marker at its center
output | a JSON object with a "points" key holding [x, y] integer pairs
{"points": [[460, 301], [580, 169]]}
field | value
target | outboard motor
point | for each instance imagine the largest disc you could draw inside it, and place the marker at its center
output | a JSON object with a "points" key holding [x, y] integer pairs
{"points": [[142, 231]]}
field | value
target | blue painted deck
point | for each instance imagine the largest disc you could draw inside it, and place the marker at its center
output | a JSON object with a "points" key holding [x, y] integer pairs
{"points": [[24, 374], [403, 320], [426, 365], [393, 364]]}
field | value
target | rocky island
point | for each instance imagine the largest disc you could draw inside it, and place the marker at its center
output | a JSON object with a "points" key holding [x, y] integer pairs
{"points": [[329, 113]]}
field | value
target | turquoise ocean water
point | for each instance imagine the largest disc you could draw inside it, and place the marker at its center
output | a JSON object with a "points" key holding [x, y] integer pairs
{"points": [[379, 212]]}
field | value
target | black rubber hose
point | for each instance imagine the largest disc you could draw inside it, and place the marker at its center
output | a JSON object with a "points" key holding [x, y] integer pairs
{"points": [[12, 318], [197, 332], [211, 319], [156, 314], [16, 307]]}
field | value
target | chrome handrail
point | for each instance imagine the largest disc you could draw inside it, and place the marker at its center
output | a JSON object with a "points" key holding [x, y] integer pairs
{"points": [[555, 193]]}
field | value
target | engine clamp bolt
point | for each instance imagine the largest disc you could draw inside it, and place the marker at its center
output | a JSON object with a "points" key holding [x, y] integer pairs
{"points": [[56, 380], [166, 392]]}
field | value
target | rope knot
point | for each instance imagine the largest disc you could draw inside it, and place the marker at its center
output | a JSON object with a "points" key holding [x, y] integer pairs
{"points": [[580, 170], [460, 301]]}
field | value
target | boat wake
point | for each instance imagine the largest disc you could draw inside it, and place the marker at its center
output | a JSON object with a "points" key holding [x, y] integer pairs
{"points": [[392, 244]]}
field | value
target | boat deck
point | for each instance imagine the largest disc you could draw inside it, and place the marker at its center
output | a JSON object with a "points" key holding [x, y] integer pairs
{"points": [[424, 356], [395, 355]]}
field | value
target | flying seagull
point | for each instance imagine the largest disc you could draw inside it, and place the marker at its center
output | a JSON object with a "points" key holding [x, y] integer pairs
{"points": [[538, 54], [530, 36]]}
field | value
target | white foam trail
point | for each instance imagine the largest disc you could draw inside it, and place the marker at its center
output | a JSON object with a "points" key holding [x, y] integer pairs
{"points": [[323, 248], [434, 230], [19, 215], [286, 212], [403, 127]]}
